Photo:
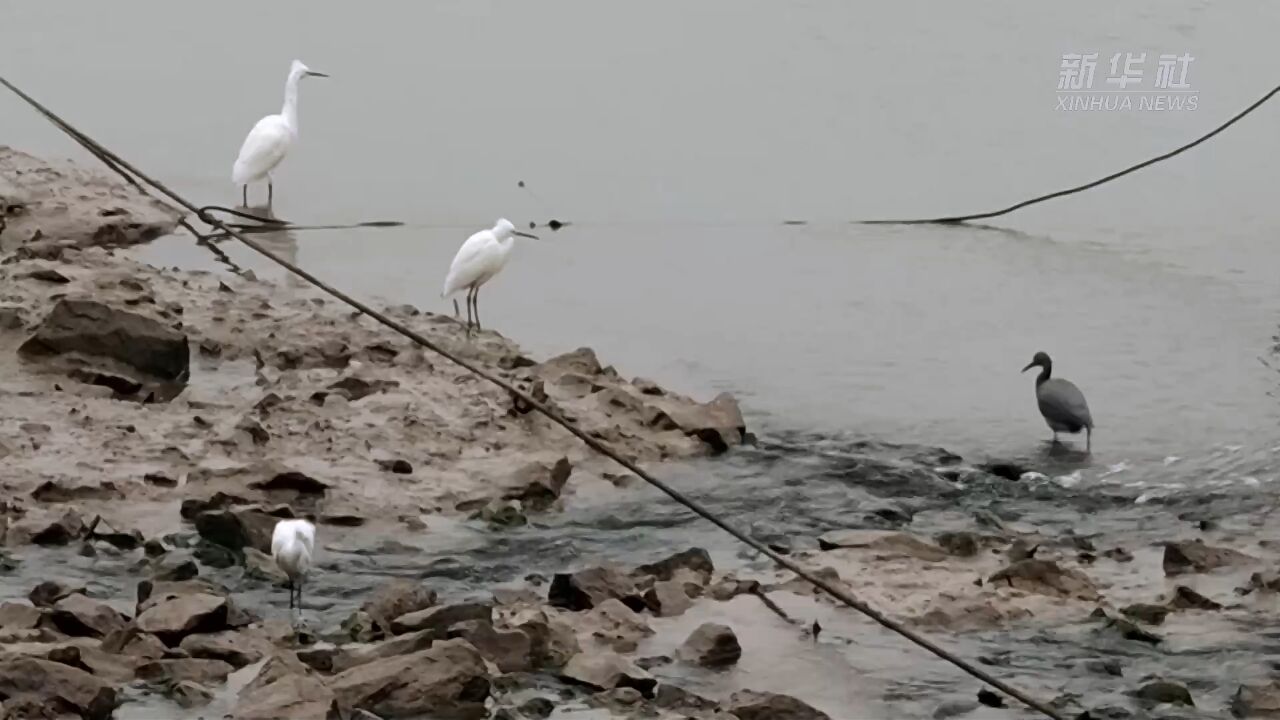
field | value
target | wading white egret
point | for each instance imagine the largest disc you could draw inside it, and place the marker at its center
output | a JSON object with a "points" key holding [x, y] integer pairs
{"points": [[1061, 402], [482, 256], [270, 139], [292, 545]]}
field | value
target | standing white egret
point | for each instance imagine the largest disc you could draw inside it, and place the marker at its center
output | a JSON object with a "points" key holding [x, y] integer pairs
{"points": [[270, 139], [482, 256], [292, 545]]}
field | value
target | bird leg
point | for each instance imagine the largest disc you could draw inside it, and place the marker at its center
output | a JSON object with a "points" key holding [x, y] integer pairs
{"points": [[476, 301], [291, 594], [468, 301], [299, 597], [1088, 440], [270, 192], [456, 314], [244, 196]]}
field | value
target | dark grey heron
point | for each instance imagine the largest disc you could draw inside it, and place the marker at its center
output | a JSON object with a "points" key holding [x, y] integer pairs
{"points": [[1061, 402]]}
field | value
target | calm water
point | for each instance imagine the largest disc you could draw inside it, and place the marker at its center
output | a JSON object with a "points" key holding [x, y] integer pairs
{"points": [[677, 137]]}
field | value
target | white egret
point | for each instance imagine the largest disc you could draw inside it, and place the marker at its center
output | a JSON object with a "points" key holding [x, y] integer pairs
{"points": [[270, 139], [482, 256], [292, 545], [1061, 402]]}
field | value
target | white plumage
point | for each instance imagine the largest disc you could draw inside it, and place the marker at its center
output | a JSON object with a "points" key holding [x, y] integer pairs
{"points": [[292, 547], [270, 139], [480, 258]]}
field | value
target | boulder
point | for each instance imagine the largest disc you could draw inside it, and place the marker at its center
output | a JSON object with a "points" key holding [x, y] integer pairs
{"points": [[667, 598], [510, 650], [439, 619], [90, 328], [585, 589], [1147, 613], [80, 616], [56, 688], [176, 618], [167, 672], [616, 625], [237, 648], [960, 544], [552, 641], [188, 694], [17, 616], [718, 423], [49, 592], [711, 645], [448, 680], [884, 543], [238, 528], [395, 598], [1196, 557], [1184, 598], [751, 705], [537, 486], [696, 560], [1045, 577], [1256, 701], [606, 670], [1164, 692], [284, 689]]}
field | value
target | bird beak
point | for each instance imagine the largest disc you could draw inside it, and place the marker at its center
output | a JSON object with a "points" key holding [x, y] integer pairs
{"points": [[526, 235], [317, 74], [1029, 366]]}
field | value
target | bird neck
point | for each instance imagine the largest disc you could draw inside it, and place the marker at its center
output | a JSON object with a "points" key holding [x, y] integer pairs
{"points": [[290, 111], [1045, 372]]}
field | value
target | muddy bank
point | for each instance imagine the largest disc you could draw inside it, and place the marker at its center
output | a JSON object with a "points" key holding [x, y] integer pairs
{"points": [[158, 422]]}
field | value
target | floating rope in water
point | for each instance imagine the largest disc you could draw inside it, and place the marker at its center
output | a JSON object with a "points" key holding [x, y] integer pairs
{"points": [[829, 588], [1071, 191]]}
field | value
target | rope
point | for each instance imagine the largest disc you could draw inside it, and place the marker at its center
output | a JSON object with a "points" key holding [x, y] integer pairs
{"points": [[1071, 191], [836, 592]]}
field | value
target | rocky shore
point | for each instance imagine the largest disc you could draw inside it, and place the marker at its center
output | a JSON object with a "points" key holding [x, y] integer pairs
{"points": [[157, 423]]}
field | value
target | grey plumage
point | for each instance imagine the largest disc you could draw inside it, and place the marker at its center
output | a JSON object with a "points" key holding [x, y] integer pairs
{"points": [[1061, 402]]}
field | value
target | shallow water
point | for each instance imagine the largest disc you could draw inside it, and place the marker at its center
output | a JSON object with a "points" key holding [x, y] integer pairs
{"points": [[677, 140]]}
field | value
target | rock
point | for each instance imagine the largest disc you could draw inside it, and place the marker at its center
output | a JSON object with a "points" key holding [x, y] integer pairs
{"points": [[582, 361], [261, 566], [80, 616], [237, 529], [18, 616], [87, 327], [189, 694], [510, 650], [552, 641], [175, 570], [1196, 557], [142, 646], [438, 619], [537, 486], [448, 680], [750, 705], [1164, 692], [353, 388], [236, 648], [49, 592], [1184, 598], [676, 699], [360, 627], [1120, 555], [398, 466], [667, 598], [885, 543], [54, 491], [616, 625], [292, 481], [1150, 614], [537, 708], [605, 670], [695, 560], [205, 672], [959, 544], [285, 690], [718, 423], [1256, 701], [1045, 577], [57, 688], [396, 598], [108, 668], [585, 589], [711, 645], [1128, 630], [503, 513], [61, 531], [172, 620]]}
